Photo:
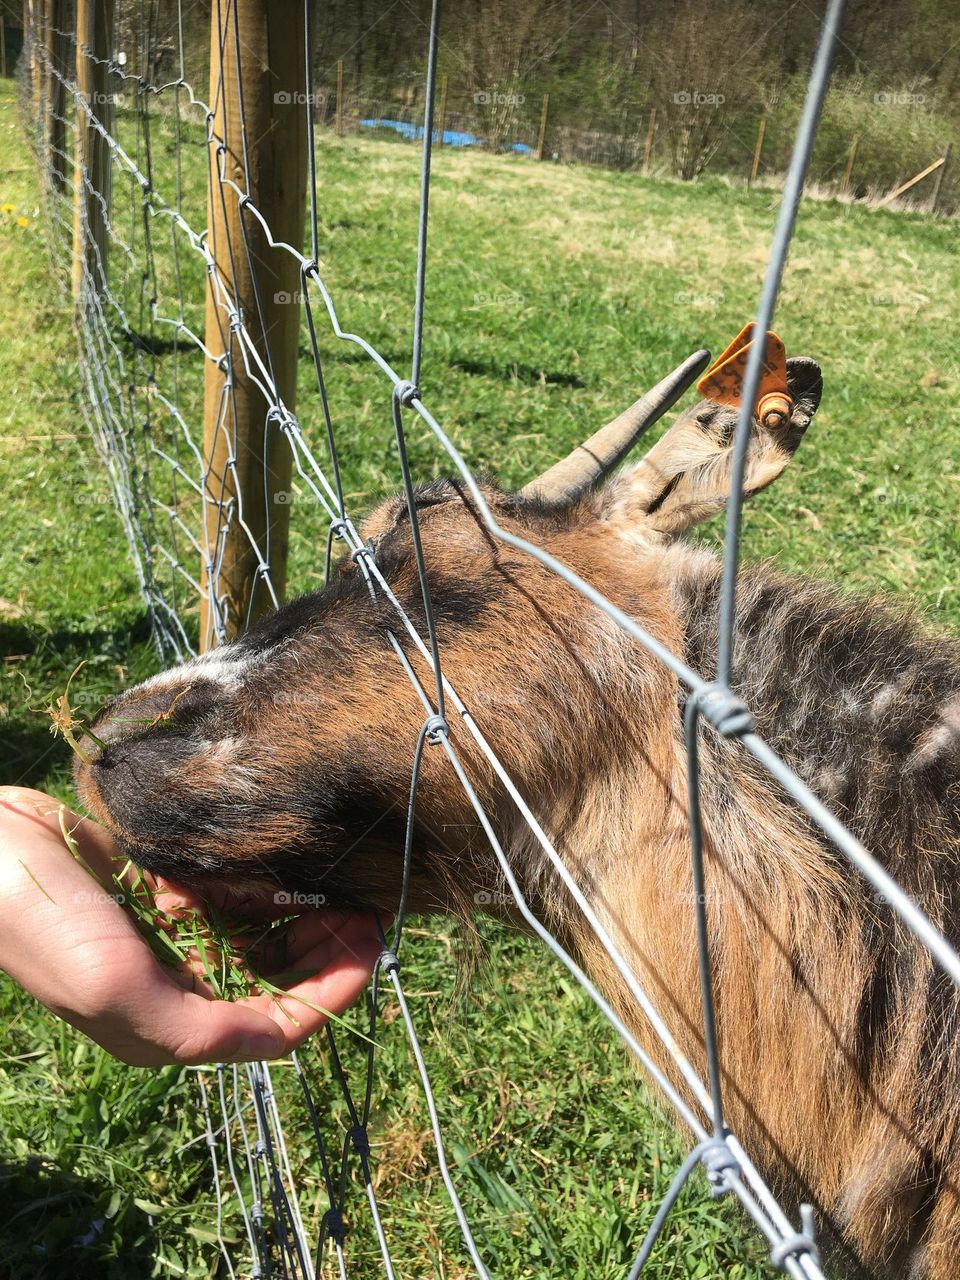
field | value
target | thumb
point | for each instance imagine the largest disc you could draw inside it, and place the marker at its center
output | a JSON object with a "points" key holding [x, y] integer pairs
{"points": [[197, 1030]]}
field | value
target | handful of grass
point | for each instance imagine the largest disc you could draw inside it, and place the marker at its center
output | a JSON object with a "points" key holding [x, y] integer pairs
{"points": [[225, 947]]}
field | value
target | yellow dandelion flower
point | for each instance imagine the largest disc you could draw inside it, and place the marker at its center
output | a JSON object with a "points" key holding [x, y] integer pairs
{"points": [[23, 222], [6, 208]]}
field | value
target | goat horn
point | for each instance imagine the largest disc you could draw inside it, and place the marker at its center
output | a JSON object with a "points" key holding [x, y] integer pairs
{"points": [[592, 460]]}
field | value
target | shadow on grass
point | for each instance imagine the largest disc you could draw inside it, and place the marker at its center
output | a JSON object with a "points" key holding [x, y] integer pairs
{"points": [[503, 371], [43, 660], [513, 371], [56, 1223], [29, 752]]}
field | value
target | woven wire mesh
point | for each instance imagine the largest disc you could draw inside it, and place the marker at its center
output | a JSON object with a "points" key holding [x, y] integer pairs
{"points": [[145, 414]]}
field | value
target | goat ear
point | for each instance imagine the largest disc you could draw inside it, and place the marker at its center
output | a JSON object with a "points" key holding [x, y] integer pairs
{"points": [[685, 477]]}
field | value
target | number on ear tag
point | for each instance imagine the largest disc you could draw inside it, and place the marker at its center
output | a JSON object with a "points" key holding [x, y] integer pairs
{"points": [[723, 381]]}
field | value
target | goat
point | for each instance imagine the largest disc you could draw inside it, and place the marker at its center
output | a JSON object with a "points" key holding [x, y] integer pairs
{"points": [[282, 761]]}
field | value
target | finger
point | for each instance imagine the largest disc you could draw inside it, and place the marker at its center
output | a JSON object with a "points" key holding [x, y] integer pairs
{"points": [[43, 815], [184, 1026], [181, 1026], [306, 1004], [285, 945], [176, 899]]}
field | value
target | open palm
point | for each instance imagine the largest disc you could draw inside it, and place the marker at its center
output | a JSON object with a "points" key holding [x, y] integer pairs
{"points": [[72, 945]]}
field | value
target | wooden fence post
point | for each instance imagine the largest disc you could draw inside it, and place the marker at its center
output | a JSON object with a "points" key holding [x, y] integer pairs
{"points": [[443, 111], [542, 136], [93, 163], [56, 104], [648, 145], [938, 181], [35, 11], [758, 150], [3, 44], [339, 115], [912, 182], [848, 172], [247, 457]]}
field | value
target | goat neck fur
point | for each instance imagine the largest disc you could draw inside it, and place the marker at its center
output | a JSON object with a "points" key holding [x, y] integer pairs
{"points": [[282, 761]]}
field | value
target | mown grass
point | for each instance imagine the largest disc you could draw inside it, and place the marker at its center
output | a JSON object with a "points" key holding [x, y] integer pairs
{"points": [[554, 296]]}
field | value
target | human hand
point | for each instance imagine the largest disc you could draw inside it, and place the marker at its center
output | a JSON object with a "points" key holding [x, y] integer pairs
{"points": [[72, 945]]}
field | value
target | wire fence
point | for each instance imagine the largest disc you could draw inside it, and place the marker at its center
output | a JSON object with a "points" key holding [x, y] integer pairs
{"points": [[139, 316]]}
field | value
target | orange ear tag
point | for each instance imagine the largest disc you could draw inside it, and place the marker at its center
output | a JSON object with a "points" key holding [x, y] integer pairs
{"points": [[723, 381]]}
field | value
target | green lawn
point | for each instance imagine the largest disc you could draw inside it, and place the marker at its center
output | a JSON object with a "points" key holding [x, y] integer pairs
{"points": [[554, 296]]}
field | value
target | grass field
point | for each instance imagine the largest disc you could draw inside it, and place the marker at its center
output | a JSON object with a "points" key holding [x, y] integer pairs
{"points": [[555, 296]]}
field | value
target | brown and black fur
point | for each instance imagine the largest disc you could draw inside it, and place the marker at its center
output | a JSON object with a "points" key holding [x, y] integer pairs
{"points": [[282, 761]]}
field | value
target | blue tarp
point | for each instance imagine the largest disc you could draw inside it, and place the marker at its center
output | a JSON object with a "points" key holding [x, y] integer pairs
{"points": [[451, 137]]}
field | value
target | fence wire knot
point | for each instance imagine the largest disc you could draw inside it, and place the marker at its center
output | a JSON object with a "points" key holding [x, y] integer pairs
{"points": [[361, 1143], [729, 715], [333, 1220], [406, 392], [436, 729], [795, 1246], [366, 550], [717, 1159]]}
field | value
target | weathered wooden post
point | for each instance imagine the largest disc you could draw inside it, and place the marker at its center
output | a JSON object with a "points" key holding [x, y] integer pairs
{"points": [[542, 136], [443, 111], [648, 145], [55, 135], [758, 150], [33, 21], [938, 180], [851, 160], [93, 166], [339, 115], [247, 456], [912, 182]]}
